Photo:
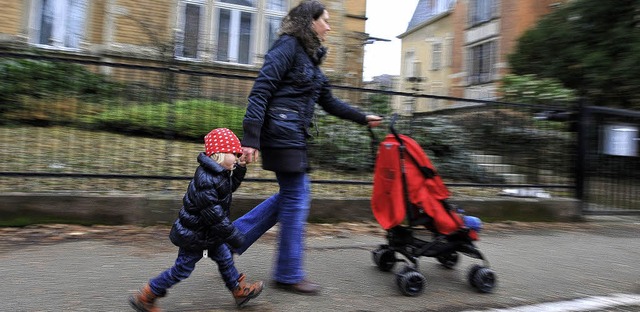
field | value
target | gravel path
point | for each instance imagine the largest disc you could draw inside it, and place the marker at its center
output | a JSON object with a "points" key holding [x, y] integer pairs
{"points": [[46, 234]]}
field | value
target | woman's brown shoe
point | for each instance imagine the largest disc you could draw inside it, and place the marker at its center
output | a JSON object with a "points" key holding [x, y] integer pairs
{"points": [[304, 287]]}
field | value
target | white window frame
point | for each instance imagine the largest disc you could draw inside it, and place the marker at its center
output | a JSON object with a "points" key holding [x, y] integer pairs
{"points": [[436, 55], [409, 67], [233, 43], [65, 34], [208, 34], [182, 24]]}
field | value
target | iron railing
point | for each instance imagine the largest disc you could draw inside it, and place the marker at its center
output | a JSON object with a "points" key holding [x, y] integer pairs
{"points": [[99, 137]]}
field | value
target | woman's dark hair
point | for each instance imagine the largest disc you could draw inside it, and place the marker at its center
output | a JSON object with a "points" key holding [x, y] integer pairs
{"points": [[297, 23]]}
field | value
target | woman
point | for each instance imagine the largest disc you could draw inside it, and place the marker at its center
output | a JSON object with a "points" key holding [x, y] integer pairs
{"points": [[276, 123]]}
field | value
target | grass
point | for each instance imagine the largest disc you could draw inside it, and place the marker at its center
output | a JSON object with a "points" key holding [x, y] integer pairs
{"points": [[68, 150]]}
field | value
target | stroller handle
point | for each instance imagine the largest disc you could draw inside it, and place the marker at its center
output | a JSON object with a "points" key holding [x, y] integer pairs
{"points": [[392, 127]]}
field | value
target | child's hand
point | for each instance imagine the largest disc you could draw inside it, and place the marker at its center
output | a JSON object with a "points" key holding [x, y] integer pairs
{"points": [[241, 161]]}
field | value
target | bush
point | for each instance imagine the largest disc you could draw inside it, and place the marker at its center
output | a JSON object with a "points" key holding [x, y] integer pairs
{"points": [[340, 144], [190, 119], [47, 93], [531, 89]]}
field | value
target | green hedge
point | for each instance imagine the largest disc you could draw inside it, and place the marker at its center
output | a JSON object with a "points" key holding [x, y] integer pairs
{"points": [[189, 119]]}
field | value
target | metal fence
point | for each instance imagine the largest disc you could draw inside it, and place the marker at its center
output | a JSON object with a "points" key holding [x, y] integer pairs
{"points": [[609, 180], [138, 129]]}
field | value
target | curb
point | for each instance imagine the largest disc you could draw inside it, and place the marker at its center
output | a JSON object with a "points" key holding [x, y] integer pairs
{"points": [[33, 208]]}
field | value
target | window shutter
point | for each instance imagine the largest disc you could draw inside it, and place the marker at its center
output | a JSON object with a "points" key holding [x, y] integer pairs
{"points": [[436, 55]]}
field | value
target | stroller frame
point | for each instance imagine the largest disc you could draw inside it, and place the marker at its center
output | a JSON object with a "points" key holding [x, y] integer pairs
{"points": [[444, 247]]}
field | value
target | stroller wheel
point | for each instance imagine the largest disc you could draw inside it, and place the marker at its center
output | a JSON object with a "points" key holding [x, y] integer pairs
{"points": [[448, 260], [405, 269], [410, 282], [472, 273], [384, 258], [481, 278]]}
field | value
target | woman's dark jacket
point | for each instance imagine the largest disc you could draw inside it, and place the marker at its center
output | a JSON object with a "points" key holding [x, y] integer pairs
{"points": [[203, 221], [281, 105]]}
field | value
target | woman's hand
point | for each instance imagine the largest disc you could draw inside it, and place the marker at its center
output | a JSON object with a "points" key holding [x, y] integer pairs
{"points": [[374, 120], [250, 154]]}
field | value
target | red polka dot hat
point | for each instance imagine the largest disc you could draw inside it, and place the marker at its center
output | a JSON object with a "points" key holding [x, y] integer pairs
{"points": [[221, 140]]}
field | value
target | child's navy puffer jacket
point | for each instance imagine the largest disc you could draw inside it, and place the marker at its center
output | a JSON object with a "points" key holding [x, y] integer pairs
{"points": [[203, 221]]}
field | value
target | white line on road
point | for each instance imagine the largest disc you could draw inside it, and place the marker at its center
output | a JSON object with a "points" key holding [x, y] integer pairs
{"points": [[577, 305]]}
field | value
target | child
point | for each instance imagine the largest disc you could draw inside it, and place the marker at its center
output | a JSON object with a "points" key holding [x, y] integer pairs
{"points": [[203, 226]]}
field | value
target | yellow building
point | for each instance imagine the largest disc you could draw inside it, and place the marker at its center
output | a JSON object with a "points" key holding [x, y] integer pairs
{"points": [[228, 36], [427, 56]]}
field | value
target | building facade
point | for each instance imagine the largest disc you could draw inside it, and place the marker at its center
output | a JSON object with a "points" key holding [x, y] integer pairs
{"points": [[427, 55], [486, 33], [459, 48], [229, 36]]}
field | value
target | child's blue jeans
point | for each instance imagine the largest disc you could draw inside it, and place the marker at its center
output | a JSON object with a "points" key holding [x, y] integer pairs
{"points": [[186, 263], [289, 207]]}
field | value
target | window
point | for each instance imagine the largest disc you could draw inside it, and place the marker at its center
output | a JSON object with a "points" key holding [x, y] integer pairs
{"points": [[188, 37], [436, 56], [482, 59], [234, 36], [276, 10], [235, 31], [481, 11], [273, 24], [448, 52], [59, 23], [409, 68]]}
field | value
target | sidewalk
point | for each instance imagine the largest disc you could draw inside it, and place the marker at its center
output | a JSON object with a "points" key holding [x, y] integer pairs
{"points": [[533, 262]]}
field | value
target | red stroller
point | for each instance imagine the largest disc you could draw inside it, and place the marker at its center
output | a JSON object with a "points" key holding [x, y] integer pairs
{"points": [[406, 186]]}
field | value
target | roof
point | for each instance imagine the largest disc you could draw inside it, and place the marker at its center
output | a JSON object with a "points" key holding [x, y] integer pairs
{"points": [[420, 15], [427, 9]]}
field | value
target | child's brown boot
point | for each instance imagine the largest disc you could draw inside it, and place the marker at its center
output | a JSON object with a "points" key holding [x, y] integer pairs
{"points": [[245, 292], [144, 300]]}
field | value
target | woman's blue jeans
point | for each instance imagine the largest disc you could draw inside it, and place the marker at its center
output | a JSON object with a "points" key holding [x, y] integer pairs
{"points": [[186, 263], [289, 207]]}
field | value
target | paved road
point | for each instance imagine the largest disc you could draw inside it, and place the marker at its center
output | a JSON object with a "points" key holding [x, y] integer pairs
{"points": [[565, 268]]}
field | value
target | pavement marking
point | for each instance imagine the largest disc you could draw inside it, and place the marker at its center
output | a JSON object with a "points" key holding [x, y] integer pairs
{"points": [[577, 305]]}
